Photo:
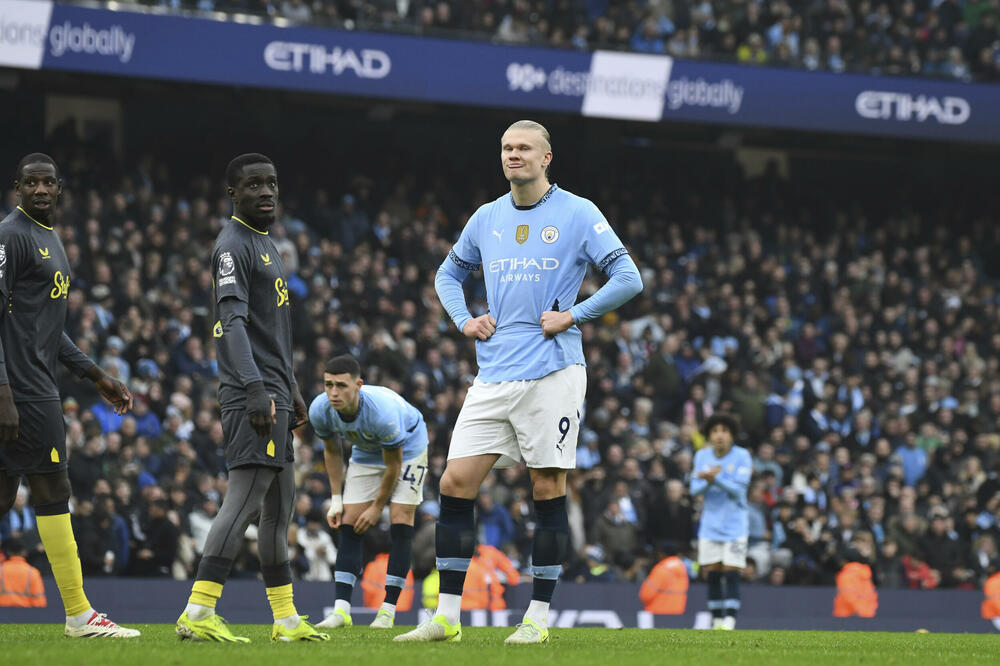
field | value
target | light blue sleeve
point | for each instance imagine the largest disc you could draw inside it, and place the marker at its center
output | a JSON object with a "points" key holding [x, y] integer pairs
{"points": [[624, 282], [736, 483], [602, 247], [462, 260], [698, 486], [600, 244], [318, 416]]}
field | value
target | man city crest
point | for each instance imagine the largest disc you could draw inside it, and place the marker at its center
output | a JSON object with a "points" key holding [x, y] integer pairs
{"points": [[550, 234], [522, 234]]}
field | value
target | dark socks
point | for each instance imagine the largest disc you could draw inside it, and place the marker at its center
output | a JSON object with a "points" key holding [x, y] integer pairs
{"points": [[550, 547], [715, 602], [455, 539], [399, 561], [732, 600], [215, 569], [276, 575], [348, 562]]}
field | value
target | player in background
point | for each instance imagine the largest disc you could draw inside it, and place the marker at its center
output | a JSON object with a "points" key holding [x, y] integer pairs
{"points": [[534, 244], [387, 466], [34, 284], [258, 395], [722, 474]]}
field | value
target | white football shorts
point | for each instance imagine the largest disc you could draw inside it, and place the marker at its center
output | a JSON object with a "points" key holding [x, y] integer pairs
{"points": [[533, 420], [362, 482], [730, 553]]}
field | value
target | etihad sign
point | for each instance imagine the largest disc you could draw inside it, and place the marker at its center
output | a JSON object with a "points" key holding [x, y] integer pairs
{"points": [[882, 105], [315, 58]]}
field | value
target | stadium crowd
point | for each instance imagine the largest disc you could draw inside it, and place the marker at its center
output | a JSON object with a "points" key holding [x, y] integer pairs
{"points": [[856, 343], [956, 39]]}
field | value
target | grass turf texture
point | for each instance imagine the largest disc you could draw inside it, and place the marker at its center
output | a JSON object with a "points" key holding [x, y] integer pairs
{"points": [[360, 646]]}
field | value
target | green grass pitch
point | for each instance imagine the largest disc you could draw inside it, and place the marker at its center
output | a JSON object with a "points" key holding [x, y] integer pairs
{"points": [[26, 645]]}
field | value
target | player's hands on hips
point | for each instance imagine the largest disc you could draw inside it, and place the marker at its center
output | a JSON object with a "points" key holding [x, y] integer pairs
{"points": [[114, 392], [260, 410], [336, 511], [710, 473], [553, 323], [480, 327], [299, 407], [367, 519], [9, 420]]}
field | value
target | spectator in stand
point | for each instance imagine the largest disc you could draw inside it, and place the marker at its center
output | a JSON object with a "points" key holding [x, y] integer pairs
{"points": [[944, 38], [496, 528], [19, 523], [614, 533], [317, 547]]}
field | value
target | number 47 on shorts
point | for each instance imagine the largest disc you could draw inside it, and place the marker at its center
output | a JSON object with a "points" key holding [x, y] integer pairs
{"points": [[411, 476]]}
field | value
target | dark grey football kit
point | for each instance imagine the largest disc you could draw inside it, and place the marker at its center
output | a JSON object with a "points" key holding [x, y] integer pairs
{"points": [[253, 336], [34, 285]]}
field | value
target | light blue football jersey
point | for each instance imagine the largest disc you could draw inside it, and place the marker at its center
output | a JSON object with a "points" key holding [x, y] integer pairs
{"points": [[384, 421], [725, 515], [532, 258]]}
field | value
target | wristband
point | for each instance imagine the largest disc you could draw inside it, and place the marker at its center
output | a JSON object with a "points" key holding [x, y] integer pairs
{"points": [[336, 506]]}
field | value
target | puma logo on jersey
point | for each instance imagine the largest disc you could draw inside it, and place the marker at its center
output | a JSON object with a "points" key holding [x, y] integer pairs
{"points": [[499, 235], [44, 252], [266, 258]]}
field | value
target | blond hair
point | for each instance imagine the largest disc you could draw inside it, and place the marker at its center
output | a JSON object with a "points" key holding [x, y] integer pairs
{"points": [[532, 125]]}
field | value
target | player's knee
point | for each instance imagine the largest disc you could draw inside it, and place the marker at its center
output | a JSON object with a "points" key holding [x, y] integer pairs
{"points": [[402, 514], [548, 484], [447, 486], [454, 485], [351, 514], [49, 489]]}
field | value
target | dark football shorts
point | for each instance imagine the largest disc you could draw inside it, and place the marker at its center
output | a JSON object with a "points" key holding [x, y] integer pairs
{"points": [[41, 440], [246, 447]]}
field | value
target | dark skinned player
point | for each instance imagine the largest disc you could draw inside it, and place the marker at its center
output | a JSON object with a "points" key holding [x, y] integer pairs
{"points": [[260, 403], [34, 281]]}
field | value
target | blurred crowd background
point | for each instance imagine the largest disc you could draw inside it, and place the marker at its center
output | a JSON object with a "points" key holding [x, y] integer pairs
{"points": [[956, 39], [855, 336]]}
